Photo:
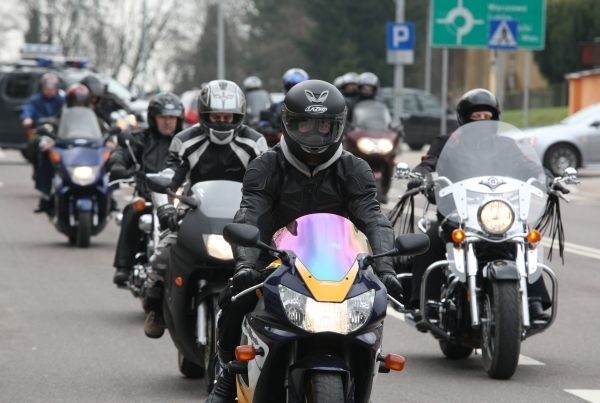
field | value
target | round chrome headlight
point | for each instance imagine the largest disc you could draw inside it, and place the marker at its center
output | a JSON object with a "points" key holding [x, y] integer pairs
{"points": [[496, 217]]}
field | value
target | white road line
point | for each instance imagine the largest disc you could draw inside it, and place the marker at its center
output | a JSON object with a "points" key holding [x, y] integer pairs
{"points": [[523, 359], [589, 395]]}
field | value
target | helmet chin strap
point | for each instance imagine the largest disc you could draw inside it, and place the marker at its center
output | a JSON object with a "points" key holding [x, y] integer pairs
{"points": [[219, 137]]}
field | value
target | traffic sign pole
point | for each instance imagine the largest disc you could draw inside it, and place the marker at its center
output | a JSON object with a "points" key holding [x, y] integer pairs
{"points": [[398, 72], [443, 118]]}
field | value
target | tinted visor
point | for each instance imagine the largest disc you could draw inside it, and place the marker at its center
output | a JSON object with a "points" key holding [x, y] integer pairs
{"points": [[314, 132]]}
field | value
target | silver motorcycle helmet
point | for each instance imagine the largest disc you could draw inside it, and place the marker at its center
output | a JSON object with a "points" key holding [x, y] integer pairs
{"points": [[221, 96]]}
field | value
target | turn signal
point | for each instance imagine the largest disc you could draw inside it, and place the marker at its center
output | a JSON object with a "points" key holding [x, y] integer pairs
{"points": [[139, 205], [179, 281], [54, 156], [534, 236], [245, 353], [106, 155], [458, 236], [394, 362]]}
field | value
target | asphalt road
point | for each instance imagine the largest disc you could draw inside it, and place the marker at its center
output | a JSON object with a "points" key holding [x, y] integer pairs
{"points": [[68, 335]]}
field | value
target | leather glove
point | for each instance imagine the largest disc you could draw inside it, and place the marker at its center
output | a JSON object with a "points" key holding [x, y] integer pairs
{"points": [[559, 187], [393, 286], [414, 183], [243, 278], [168, 217], [120, 172]]}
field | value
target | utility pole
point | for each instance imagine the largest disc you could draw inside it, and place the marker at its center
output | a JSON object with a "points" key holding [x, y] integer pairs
{"points": [[220, 42]]}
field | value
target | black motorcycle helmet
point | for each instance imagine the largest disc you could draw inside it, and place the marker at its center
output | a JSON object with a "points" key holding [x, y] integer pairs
{"points": [[166, 104], [77, 95], [313, 116], [94, 84], [478, 99]]}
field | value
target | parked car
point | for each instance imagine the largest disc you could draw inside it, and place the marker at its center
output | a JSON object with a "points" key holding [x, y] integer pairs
{"points": [[421, 115], [574, 142], [18, 81]]}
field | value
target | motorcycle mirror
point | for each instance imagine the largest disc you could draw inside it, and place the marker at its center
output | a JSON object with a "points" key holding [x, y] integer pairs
{"points": [[158, 183], [402, 170], [242, 234], [412, 244]]}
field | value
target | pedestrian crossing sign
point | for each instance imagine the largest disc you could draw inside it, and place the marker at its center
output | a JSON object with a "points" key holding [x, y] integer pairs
{"points": [[503, 34]]}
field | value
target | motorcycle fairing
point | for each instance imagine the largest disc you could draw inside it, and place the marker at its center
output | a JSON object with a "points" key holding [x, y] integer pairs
{"points": [[326, 246]]}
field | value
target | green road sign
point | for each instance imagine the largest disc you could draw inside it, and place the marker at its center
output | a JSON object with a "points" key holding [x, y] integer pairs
{"points": [[466, 23]]}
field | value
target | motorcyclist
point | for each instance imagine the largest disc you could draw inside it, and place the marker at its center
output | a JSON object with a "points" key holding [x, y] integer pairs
{"points": [[290, 78], [368, 85], [349, 88], [151, 149], [220, 147], [103, 101], [307, 172], [47, 103], [475, 105], [257, 100], [76, 95]]}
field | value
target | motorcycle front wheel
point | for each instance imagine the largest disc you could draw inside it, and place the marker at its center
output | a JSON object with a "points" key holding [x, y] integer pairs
{"points": [[324, 387], [84, 229], [501, 328]]}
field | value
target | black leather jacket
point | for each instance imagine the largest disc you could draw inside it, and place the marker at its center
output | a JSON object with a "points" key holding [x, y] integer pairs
{"points": [[275, 193], [193, 153]]}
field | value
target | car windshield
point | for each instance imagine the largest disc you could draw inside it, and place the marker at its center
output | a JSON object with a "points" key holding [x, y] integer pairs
{"points": [[326, 244], [371, 115], [585, 116]]}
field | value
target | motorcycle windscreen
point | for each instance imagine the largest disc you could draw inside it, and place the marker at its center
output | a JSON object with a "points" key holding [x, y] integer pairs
{"points": [[326, 244], [218, 199], [490, 149], [78, 122], [371, 115]]}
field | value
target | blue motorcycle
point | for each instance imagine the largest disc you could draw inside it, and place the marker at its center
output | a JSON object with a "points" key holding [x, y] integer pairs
{"points": [[80, 185]]}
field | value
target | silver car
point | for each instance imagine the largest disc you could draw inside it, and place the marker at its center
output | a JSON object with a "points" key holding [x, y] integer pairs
{"points": [[574, 142]]}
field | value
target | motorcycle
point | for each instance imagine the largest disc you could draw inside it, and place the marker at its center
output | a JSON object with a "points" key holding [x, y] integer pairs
{"points": [[492, 195], [316, 332], [371, 138], [80, 184], [199, 265]]}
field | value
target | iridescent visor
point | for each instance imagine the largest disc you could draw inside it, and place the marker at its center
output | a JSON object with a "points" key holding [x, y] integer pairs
{"points": [[326, 244]]}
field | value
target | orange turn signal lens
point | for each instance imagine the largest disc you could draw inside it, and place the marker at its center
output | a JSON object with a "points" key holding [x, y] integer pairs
{"points": [[179, 281], [54, 156], [106, 155], [394, 362], [139, 205], [245, 353], [458, 236], [534, 236]]}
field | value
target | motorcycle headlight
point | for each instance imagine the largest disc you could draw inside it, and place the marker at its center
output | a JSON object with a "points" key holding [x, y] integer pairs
{"points": [[496, 217], [314, 316], [218, 247], [374, 146], [83, 175]]}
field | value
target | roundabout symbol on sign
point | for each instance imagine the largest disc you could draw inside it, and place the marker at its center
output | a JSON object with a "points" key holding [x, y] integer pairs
{"points": [[459, 13]]}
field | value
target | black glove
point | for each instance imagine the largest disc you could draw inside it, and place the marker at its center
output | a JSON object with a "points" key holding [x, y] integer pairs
{"points": [[120, 172], [393, 286], [414, 183], [560, 188], [243, 278], [168, 217]]}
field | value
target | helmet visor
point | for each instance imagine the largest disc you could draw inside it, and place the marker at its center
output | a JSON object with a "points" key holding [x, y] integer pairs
{"points": [[314, 132]]}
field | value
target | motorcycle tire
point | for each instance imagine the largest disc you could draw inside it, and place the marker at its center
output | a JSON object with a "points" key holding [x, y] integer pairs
{"points": [[188, 368], [325, 387], [210, 350], [84, 229], [501, 329], [455, 351]]}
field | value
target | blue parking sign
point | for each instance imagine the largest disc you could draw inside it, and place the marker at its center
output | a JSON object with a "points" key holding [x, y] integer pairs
{"points": [[400, 36]]}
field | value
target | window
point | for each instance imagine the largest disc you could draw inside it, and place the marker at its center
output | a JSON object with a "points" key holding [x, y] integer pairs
{"points": [[430, 104], [18, 86], [409, 104]]}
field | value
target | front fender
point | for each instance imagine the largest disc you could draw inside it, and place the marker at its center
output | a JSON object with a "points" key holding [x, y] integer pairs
{"points": [[502, 270]]}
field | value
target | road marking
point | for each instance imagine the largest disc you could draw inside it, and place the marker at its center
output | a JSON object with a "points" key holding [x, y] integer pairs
{"points": [[523, 359], [589, 395]]}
